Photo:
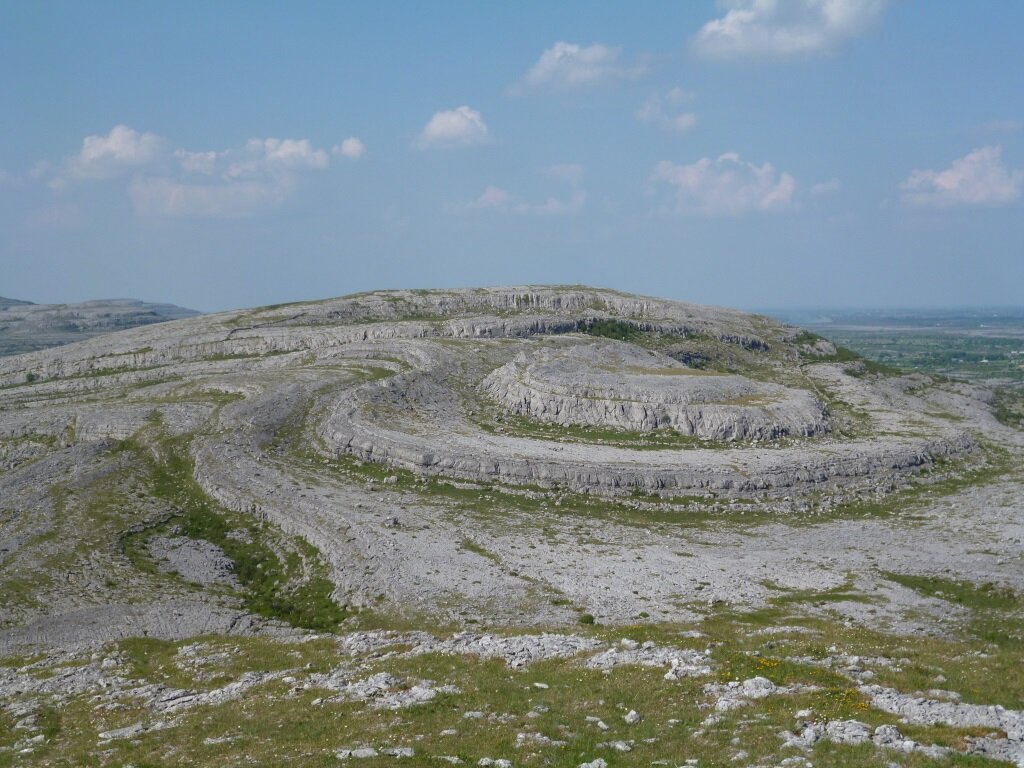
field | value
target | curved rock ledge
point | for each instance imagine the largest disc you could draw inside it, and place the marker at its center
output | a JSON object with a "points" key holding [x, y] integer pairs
{"points": [[489, 458], [416, 421], [618, 385]]}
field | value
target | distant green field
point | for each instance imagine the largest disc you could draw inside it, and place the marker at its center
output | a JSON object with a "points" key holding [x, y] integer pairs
{"points": [[947, 352], [969, 343]]}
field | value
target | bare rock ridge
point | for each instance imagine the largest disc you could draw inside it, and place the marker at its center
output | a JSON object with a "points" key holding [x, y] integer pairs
{"points": [[376, 426], [521, 353], [243, 537], [25, 326]]}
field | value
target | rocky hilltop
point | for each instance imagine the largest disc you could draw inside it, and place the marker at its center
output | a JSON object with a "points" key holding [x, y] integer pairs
{"points": [[25, 327], [518, 457]]}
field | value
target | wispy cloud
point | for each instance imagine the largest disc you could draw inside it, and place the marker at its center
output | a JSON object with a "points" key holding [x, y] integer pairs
{"points": [[1001, 127], [497, 199], [725, 186], [40, 170], [978, 178], [162, 196], [459, 127], [352, 148], [568, 65], [493, 197], [230, 182], [665, 111], [823, 188], [239, 183], [554, 206], [783, 28]]}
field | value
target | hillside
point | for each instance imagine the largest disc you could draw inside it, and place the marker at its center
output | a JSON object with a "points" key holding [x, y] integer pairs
{"points": [[26, 327], [5, 303], [533, 525]]}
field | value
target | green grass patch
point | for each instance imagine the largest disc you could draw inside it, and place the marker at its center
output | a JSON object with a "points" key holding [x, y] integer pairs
{"points": [[945, 479], [611, 329], [651, 440], [1008, 407], [471, 546], [987, 596], [842, 355], [877, 368], [842, 593], [273, 586], [222, 356]]}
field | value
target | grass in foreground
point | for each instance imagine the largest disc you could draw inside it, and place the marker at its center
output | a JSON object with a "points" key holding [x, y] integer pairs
{"points": [[284, 723]]}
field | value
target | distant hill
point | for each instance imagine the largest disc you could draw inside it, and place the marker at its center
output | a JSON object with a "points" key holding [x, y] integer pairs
{"points": [[26, 327], [4, 303]]}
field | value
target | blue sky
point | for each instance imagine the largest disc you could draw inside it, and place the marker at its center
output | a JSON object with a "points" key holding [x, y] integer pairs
{"points": [[763, 153]]}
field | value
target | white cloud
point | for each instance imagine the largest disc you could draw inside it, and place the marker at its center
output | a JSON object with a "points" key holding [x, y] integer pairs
{"points": [[726, 186], [462, 126], [242, 182], [979, 178], [664, 112], [226, 199], [198, 162], [259, 158], [275, 155], [492, 197], [825, 188], [289, 153], [554, 206], [568, 65], [106, 156], [784, 27], [497, 199], [683, 122], [232, 182], [352, 148]]}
